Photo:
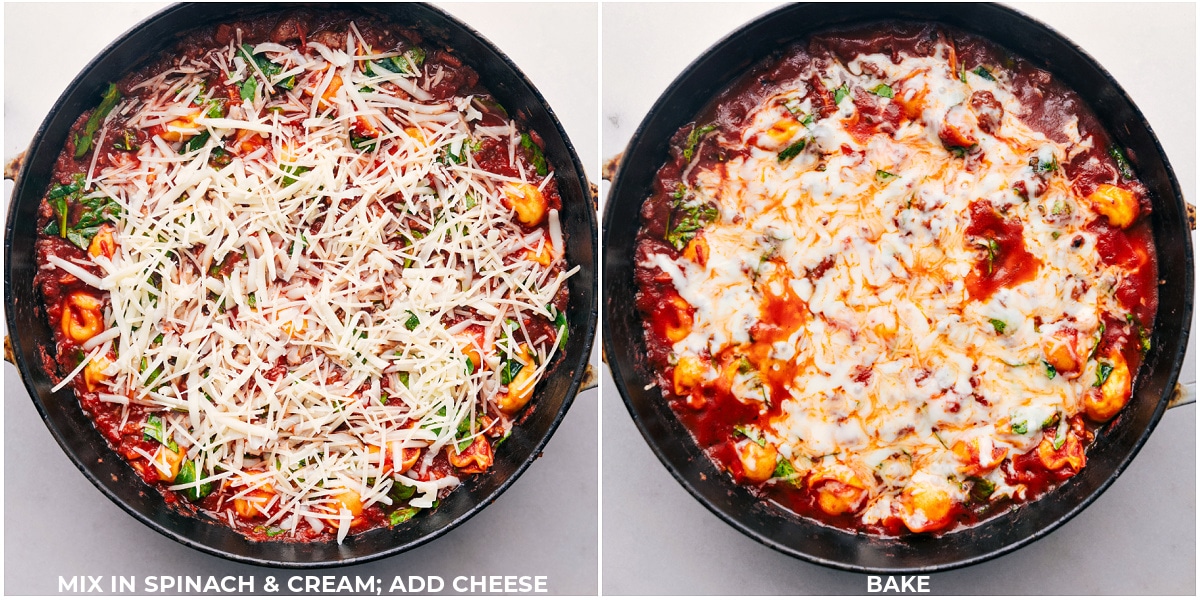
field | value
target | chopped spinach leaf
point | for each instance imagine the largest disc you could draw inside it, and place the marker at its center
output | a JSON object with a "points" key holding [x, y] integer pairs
{"points": [[401, 515], [195, 143], [560, 324], [998, 325], [693, 140], [84, 140], [692, 218], [784, 469], [840, 94], [509, 370], [792, 151], [981, 489], [743, 430], [1122, 162], [534, 153], [984, 73], [1049, 369], [1103, 370], [189, 473], [883, 90]]}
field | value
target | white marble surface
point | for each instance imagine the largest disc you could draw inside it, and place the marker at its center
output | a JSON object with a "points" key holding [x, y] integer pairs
{"points": [[56, 523], [1138, 538]]}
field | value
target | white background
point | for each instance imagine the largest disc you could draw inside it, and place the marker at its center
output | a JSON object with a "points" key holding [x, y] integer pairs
{"points": [[56, 523], [1138, 538]]}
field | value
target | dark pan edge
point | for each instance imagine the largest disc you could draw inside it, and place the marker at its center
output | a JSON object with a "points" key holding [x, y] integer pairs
{"points": [[613, 348]]}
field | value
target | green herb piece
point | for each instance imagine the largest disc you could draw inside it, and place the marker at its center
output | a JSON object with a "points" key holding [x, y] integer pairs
{"points": [[534, 153], [292, 172], [984, 73], [840, 94], [248, 88], [190, 473], [470, 366], [412, 321], [153, 374], [155, 429], [883, 90], [1060, 436], [560, 325], [792, 151], [463, 435], [274, 531], [1143, 335], [1043, 167], [268, 68], [807, 120], [993, 250], [1103, 370], [61, 211], [64, 190], [252, 300], [783, 469], [1020, 428], [509, 370], [83, 140], [501, 440], [401, 492], [1055, 234], [408, 63], [195, 143], [939, 439], [96, 211], [216, 108], [680, 192], [884, 175], [998, 325], [693, 140], [981, 489], [403, 378], [399, 516], [692, 219], [1049, 369], [363, 142], [1122, 162], [743, 430], [219, 158], [127, 141]]}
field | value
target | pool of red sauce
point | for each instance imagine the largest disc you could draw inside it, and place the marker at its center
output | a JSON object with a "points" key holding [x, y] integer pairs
{"points": [[1049, 104], [124, 432]]}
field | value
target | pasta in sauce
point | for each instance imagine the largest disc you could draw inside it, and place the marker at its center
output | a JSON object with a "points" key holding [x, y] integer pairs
{"points": [[895, 279], [304, 272]]}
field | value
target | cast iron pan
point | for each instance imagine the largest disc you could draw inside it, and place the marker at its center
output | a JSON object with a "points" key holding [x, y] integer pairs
{"points": [[113, 476], [625, 345]]}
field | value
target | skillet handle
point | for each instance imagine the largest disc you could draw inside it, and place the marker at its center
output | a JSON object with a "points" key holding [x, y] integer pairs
{"points": [[13, 167], [1185, 393]]}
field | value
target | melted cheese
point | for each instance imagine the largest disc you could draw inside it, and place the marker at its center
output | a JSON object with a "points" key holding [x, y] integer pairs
{"points": [[890, 213]]}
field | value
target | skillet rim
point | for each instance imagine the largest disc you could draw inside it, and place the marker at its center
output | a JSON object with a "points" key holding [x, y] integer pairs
{"points": [[614, 348]]}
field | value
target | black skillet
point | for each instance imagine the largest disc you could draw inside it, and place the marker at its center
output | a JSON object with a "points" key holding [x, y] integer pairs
{"points": [[624, 344], [79, 439]]}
